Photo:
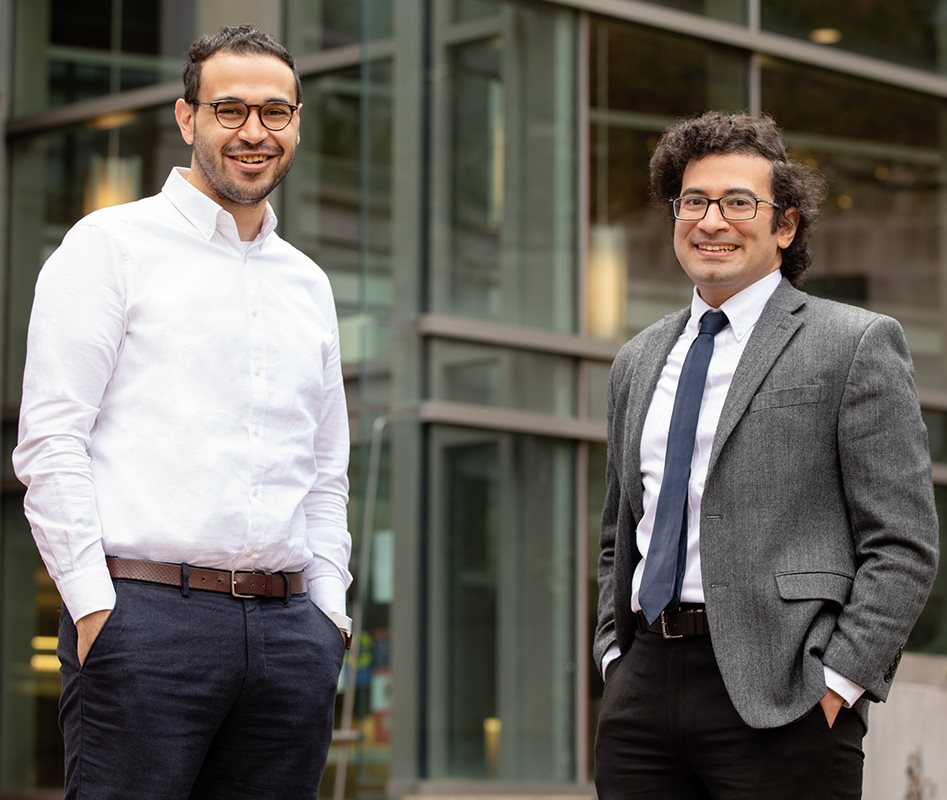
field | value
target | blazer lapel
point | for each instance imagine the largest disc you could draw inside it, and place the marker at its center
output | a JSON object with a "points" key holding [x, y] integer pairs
{"points": [[776, 326], [642, 382]]}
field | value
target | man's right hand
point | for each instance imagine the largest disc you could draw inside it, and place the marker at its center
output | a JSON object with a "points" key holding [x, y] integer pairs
{"points": [[88, 628]]}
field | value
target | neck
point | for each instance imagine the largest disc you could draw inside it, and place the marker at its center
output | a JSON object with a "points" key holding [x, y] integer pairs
{"points": [[249, 219]]}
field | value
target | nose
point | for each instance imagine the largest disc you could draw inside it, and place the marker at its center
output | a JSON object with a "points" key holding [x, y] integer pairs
{"points": [[253, 129], [713, 220]]}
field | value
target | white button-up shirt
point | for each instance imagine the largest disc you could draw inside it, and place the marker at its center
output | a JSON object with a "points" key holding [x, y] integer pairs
{"points": [[183, 402]]}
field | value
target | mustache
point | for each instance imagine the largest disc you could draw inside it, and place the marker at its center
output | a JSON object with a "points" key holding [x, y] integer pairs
{"points": [[269, 151]]}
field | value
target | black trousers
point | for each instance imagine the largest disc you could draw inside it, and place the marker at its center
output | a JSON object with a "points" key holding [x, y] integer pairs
{"points": [[199, 697], [668, 731]]}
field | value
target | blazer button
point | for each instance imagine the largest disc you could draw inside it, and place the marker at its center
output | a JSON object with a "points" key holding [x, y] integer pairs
{"points": [[889, 675]]}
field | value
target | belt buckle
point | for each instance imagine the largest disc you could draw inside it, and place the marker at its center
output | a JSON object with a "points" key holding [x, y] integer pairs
{"points": [[665, 631], [233, 584]]}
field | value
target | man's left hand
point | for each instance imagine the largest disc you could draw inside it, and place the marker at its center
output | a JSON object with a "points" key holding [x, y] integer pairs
{"points": [[831, 704]]}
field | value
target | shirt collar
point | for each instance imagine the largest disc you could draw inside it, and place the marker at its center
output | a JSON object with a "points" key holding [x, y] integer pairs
{"points": [[203, 213], [744, 308]]}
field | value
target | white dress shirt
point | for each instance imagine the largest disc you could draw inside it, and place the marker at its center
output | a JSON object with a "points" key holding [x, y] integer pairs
{"points": [[743, 310], [183, 402]]}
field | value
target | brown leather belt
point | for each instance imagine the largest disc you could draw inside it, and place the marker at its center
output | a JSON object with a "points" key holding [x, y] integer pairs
{"points": [[676, 624], [237, 582]]}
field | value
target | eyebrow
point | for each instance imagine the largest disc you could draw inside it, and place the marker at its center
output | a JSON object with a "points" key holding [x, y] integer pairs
{"points": [[233, 98], [732, 190]]}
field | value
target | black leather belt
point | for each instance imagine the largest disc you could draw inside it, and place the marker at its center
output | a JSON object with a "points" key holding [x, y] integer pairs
{"points": [[676, 624]]}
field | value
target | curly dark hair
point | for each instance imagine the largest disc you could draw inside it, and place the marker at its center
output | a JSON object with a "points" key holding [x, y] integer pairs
{"points": [[714, 133], [241, 39]]}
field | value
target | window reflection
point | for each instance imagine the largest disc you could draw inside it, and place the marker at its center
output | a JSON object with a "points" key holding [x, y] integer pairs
{"points": [[503, 604], [493, 376], [639, 82], [337, 199], [314, 25], [930, 632], [880, 242], [906, 33], [504, 178], [68, 50]]}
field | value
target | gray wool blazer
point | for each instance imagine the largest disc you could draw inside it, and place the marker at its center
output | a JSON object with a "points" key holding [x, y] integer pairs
{"points": [[819, 535]]}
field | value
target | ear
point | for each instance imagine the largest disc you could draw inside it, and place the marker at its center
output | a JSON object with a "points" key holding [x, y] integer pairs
{"points": [[184, 115], [786, 227]]}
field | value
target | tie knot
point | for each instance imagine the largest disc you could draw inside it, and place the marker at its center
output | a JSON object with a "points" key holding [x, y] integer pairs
{"points": [[713, 322]]}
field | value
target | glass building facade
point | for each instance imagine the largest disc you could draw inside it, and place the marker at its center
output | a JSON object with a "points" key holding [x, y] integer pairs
{"points": [[472, 176]]}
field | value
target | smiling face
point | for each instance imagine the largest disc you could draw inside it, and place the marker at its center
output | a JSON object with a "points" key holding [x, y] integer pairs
{"points": [[239, 167], [720, 256]]}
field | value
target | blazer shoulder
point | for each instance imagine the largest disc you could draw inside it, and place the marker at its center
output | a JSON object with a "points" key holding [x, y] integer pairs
{"points": [[834, 318], [652, 336]]}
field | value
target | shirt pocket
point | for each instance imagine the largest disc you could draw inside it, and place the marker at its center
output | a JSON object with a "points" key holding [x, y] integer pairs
{"points": [[790, 396]]}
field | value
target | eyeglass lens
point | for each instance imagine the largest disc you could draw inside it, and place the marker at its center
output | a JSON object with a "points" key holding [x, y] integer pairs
{"points": [[274, 116], [733, 206]]}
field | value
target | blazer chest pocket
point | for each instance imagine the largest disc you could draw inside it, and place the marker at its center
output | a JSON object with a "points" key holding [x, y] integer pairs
{"points": [[790, 396], [832, 586]]}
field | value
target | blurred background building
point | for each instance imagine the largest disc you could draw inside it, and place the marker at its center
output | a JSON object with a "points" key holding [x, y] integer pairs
{"points": [[473, 177]]}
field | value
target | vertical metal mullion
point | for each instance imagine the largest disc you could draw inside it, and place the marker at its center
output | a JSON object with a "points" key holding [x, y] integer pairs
{"points": [[754, 67], [582, 99]]}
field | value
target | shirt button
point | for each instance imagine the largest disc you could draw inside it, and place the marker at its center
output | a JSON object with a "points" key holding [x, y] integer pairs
{"points": [[255, 492], [257, 371], [256, 431], [254, 313]]}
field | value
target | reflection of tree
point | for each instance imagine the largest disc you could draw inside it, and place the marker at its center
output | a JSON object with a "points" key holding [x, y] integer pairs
{"points": [[919, 787]]}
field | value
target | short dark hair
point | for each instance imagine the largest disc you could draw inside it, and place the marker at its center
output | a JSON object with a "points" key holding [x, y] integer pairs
{"points": [[794, 185], [240, 39]]}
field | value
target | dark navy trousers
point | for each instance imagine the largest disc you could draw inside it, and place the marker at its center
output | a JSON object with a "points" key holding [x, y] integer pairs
{"points": [[199, 697]]}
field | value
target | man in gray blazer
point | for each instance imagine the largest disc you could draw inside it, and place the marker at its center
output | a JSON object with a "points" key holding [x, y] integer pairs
{"points": [[762, 568]]}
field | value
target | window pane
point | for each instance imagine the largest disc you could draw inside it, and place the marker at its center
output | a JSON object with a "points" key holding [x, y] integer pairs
{"points": [[596, 499], [937, 434], [68, 50], [906, 33], [635, 91], [337, 199], [314, 25], [728, 10], [930, 633], [465, 10], [58, 177], [503, 603], [504, 193], [492, 376], [881, 241]]}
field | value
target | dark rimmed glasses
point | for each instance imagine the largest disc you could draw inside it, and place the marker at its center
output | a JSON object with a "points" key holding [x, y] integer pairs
{"points": [[233, 113], [733, 207]]}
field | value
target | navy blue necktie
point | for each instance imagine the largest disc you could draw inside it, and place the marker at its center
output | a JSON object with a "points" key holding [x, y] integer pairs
{"points": [[664, 567]]}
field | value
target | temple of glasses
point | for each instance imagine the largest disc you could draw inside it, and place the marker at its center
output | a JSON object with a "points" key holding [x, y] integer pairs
{"points": [[233, 113], [732, 206]]}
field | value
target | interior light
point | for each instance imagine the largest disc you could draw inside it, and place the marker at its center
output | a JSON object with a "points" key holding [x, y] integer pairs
{"points": [[825, 35], [114, 120], [607, 282]]}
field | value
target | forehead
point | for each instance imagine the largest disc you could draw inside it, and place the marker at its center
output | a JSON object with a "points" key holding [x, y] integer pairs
{"points": [[248, 76], [722, 172]]}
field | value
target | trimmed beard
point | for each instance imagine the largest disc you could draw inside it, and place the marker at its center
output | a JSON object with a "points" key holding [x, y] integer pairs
{"points": [[226, 190]]}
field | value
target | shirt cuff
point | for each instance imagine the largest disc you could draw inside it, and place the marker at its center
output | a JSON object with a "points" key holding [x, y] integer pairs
{"points": [[849, 690], [87, 591], [610, 655], [328, 592]]}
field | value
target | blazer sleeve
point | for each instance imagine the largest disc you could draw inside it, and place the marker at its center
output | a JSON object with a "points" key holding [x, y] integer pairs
{"points": [[886, 474]]}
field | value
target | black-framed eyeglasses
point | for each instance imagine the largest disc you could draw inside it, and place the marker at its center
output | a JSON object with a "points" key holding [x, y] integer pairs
{"points": [[233, 113], [733, 207]]}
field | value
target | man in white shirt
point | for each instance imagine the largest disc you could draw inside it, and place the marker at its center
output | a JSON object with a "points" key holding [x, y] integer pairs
{"points": [[769, 535], [184, 443]]}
